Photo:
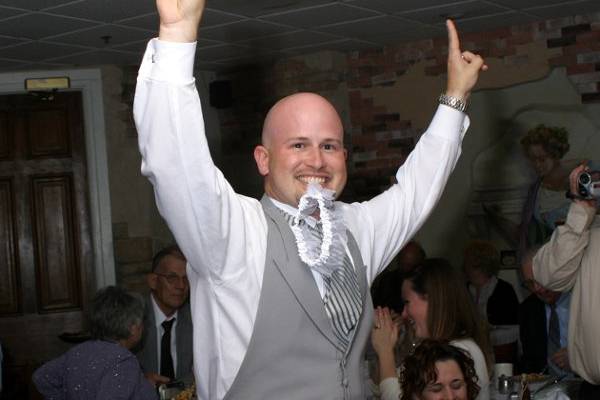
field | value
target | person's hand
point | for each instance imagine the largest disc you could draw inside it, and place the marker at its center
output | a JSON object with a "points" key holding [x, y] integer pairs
{"points": [[573, 186], [397, 319], [384, 334], [156, 379], [179, 19], [463, 66], [561, 359]]}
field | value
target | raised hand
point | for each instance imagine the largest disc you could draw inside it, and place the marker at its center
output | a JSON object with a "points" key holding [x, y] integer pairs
{"points": [[179, 19], [463, 66], [384, 334]]}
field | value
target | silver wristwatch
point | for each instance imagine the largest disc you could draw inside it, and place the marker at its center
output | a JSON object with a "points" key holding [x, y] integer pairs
{"points": [[453, 102]]}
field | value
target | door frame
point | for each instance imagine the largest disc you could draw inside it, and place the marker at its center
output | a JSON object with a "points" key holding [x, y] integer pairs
{"points": [[89, 83]]}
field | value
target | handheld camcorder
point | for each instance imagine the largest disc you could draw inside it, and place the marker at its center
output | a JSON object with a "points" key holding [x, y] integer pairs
{"points": [[588, 185]]}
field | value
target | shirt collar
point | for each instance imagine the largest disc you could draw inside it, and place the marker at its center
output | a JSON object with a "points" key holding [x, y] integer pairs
{"points": [[160, 316], [293, 211]]}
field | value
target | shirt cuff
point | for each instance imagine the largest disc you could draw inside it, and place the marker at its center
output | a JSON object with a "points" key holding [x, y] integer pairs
{"points": [[169, 61], [580, 217], [449, 123], [389, 388]]}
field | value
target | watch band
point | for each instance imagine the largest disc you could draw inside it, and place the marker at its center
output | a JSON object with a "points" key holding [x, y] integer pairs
{"points": [[454, 102]]}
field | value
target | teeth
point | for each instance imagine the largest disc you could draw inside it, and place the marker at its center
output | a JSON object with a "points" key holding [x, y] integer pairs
{"points": [[312, 179]]}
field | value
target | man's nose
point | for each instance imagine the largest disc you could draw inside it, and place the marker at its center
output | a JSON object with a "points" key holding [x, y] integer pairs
{"points": [[315, 158], [181, 282]]}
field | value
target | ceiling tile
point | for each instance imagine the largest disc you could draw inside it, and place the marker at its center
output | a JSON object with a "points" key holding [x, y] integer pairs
{"points": [[9, 12], [214, 17], [97, 36], [564, 10], [146, 21], [366, 28], [343, 45], [106, 10], [254, 8], [497, 21], [458, 11], [291, 39], [7, 65], [38, 26], [520, 4], [321, 15], [216, 53], [33, 4], [419, 33], [242, 30], [38, 51], [7, 41], [101, 57], [395, 6], [134, 47]]}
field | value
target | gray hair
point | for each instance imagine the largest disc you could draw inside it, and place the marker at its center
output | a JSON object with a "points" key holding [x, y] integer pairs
{"points": [[483, 256], [113, 312]]}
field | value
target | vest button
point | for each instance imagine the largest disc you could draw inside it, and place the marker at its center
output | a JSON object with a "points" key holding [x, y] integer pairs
{"points": [[345, 382]]}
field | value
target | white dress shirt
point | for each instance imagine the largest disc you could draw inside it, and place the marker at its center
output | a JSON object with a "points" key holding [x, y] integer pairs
{"points": [[224, 234]]}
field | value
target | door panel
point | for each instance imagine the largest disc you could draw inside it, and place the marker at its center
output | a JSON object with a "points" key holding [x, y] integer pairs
{"points": [[46, 271], [9, 274], [57, 266]]}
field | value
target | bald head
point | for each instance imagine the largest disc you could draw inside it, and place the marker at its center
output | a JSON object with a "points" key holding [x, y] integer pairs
{"points": [[302, 143], [299, 110]]}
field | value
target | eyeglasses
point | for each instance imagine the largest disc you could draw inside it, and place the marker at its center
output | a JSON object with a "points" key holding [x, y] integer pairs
{"points": [[173, 278]]}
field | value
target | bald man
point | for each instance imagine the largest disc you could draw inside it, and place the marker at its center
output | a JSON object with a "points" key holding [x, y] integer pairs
{"points": [[279, 287]]}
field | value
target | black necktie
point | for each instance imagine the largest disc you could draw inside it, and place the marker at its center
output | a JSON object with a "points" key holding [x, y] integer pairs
{"points": [[166, 361]]}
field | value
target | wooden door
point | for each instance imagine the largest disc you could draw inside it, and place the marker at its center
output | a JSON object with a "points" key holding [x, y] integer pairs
{"points": [[45, 249]]}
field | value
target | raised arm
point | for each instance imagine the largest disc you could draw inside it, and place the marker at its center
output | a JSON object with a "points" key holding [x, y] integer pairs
{"points": [[556, 264], [389, 220], [203, 212]]}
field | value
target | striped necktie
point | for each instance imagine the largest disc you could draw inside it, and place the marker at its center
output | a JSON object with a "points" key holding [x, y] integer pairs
{"points": [[342, 301]]}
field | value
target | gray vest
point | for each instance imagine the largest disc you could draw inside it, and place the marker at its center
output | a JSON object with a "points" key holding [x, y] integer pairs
{"points": [[293, 353]]}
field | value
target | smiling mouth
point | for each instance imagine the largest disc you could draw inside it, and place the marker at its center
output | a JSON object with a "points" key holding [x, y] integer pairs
{"points": [[313, 179]]}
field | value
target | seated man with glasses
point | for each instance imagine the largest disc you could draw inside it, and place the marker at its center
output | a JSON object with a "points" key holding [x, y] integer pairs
{"points": [[543, 325], [165, 352]]}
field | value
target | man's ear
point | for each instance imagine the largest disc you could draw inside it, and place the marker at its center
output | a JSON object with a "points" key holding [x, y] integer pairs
{"points": [[151, 280], [261, 156], [345, 154]]}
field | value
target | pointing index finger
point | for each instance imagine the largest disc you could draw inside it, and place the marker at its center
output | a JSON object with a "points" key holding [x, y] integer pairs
{"points": [[453, 41]]}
